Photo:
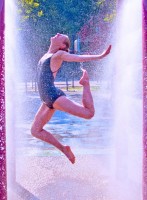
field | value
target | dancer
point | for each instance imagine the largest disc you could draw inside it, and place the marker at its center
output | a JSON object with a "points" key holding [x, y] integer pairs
{"points": [[55, 99]]}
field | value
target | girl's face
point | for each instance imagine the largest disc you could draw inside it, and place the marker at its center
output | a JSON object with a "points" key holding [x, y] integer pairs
{"points": [[59, 40]]}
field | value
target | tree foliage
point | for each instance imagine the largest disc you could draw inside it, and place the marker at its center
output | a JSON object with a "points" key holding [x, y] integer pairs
{"points": [[40, 19], [64, 15]]}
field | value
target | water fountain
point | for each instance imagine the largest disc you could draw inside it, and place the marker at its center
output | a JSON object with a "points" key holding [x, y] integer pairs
{"points": [[10, 79], [128, 102], [126, 159]]}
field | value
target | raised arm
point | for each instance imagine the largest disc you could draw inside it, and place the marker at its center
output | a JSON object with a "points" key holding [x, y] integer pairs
{"points": [[83, 58]]}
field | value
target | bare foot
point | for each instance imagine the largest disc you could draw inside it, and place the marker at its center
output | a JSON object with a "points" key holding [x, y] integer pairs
{"points": [[67, 151], [84, 79]]}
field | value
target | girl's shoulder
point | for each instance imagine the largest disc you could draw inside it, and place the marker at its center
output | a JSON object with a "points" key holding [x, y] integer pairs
{"points": [[59, 53]]}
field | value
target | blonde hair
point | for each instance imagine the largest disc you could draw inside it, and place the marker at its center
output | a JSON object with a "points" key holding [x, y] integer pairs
{"points": [[67, 43]]}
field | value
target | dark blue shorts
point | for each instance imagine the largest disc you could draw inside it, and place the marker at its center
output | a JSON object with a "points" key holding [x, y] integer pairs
{"points": [[51, 95]]}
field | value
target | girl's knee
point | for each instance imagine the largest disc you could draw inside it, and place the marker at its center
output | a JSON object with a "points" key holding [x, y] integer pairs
{"points": [[90, 114], [35, 130]]}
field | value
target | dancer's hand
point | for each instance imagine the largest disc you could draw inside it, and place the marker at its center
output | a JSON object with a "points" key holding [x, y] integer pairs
{"points": [[106, 52]]}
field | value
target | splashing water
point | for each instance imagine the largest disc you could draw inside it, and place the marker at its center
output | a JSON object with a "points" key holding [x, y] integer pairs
{"points": [[127, 103], [11, 78], [90, 175]]}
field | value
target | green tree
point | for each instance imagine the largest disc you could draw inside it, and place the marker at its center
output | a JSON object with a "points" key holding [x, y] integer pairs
{"points": [[40, 19], [64, 15]]}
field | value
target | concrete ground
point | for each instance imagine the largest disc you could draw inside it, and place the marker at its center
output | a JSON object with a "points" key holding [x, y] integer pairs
{"points": [[55, 178]]}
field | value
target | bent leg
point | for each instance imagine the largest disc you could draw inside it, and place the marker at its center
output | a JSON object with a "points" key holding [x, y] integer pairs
{"points": [[84, 111], [43, 115]]}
